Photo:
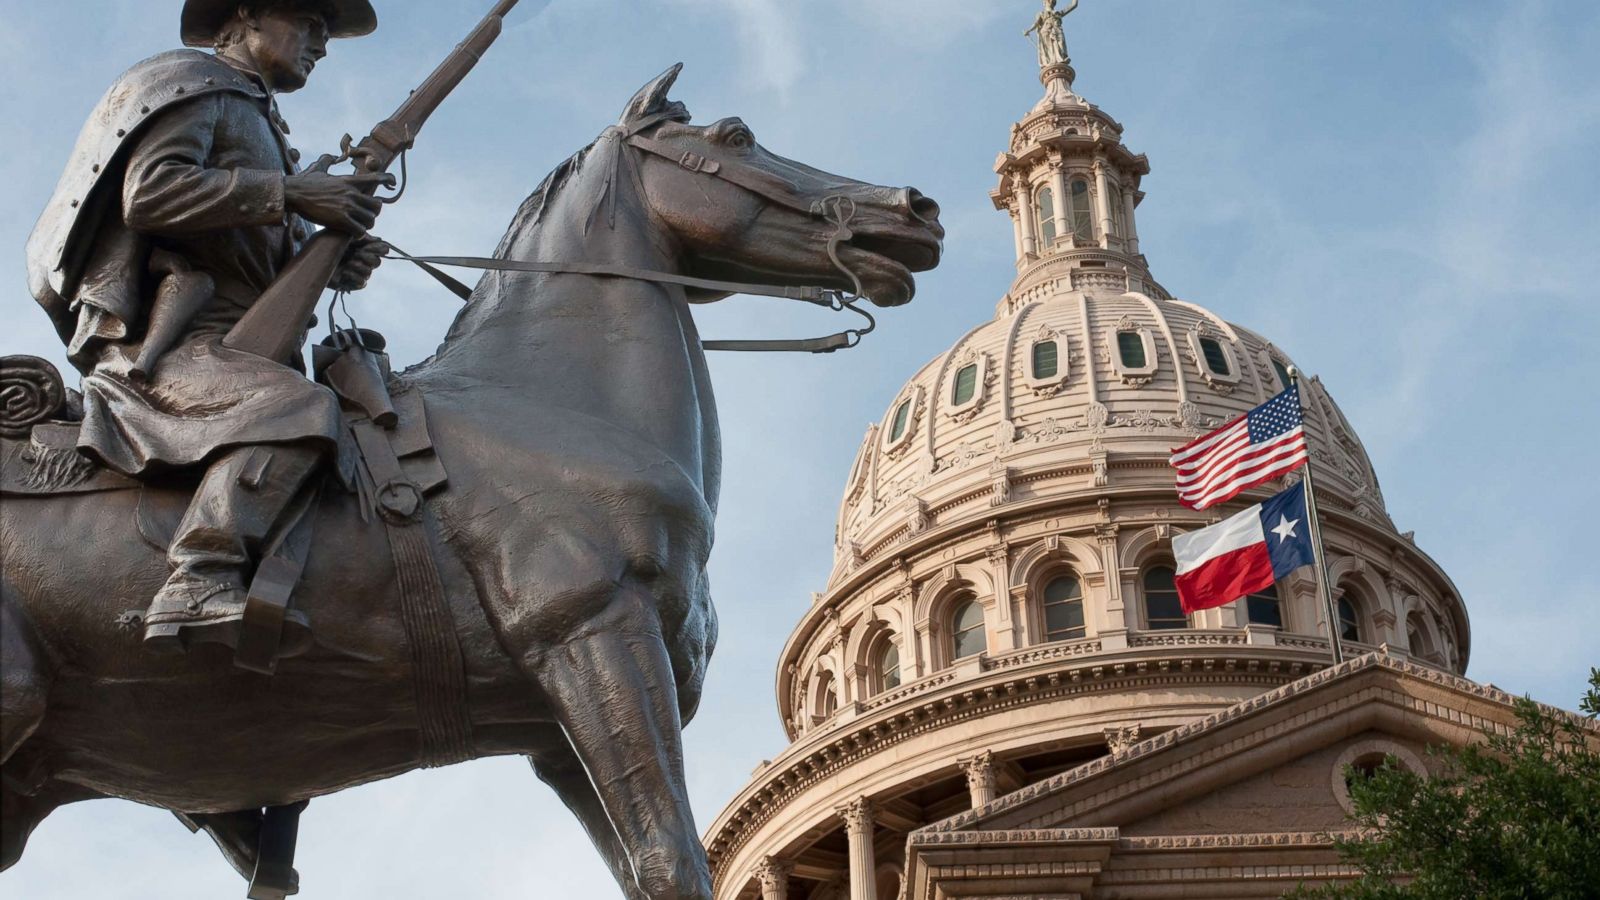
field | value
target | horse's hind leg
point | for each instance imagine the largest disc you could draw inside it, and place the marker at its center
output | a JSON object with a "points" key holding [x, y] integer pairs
{"points": [[611, 685], [557, 764], [25, 676]]}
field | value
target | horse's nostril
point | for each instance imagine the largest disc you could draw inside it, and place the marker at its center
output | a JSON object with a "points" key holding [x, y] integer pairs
{"points": [[922, 208]]}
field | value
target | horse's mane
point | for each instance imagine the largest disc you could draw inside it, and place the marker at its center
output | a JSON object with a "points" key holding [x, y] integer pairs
{"points": [[528, 213]]}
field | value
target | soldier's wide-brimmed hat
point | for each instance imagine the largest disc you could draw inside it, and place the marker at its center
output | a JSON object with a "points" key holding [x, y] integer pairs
{"points": [[202, 19]]}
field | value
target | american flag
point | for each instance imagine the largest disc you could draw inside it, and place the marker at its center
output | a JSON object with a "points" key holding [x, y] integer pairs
{"points": [[1259, 446]]}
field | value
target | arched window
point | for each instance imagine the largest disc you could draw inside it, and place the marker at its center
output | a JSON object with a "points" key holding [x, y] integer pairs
{"points": [[1263, 608], [1046, 359], [1216, 358], [886, 663], [827, 696], [1161, 606], [1082, 211], [1063, 609], [966, 630], [1047, 216], [1130, 346], [1114, 199], [1349, 619], [965, 386], [1420, 641]]}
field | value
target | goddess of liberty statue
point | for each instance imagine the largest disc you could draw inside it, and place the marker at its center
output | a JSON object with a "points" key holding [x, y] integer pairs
{"points": [[1051, 39]]}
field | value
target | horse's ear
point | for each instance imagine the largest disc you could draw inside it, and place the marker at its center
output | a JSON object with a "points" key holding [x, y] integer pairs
{"points": [[652, 99]]}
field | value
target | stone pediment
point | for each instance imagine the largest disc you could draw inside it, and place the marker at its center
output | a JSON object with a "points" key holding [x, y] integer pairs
{"points": [[1245, 798]]}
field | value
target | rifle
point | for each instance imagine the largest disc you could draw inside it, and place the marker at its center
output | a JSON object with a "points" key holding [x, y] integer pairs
{"points": [[272, 327]]}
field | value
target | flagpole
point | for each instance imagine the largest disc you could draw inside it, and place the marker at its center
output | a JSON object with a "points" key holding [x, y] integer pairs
{"points": [[1328, 607]]}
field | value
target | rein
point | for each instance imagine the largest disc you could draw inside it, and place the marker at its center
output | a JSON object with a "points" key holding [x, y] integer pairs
{"points": [[837, 210]]}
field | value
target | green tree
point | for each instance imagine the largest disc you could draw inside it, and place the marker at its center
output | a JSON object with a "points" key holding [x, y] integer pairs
{"points": [[1517, 816]]}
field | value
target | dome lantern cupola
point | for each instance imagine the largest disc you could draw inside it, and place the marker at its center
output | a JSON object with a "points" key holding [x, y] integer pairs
{"points": [[1067, 180]]}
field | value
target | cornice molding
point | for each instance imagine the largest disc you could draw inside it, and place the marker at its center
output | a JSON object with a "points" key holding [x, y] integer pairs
{"points": [[938, 702]]}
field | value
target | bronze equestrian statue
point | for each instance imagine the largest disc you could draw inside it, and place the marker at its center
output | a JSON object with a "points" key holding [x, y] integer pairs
{"points": [[564, 437]]}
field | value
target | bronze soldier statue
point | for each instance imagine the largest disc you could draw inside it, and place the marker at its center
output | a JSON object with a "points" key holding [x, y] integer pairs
{"points": [[182, 202]]}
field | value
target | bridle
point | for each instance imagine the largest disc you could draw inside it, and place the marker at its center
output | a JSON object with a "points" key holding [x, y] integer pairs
{"points": [[837, 210]]}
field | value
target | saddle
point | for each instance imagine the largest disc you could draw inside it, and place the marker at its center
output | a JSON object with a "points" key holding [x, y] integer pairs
{"points": [[386, 456]]}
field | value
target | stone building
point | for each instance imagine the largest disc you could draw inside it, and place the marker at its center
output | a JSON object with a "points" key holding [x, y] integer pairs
{"points": [[998, 694]]}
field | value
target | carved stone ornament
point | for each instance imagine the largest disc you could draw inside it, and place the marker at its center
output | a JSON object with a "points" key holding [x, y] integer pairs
{"points": [[999, 485], [857, 815], [917, 519], [1101, 467], [773, 873], [1190, 418], [1122, 737]]}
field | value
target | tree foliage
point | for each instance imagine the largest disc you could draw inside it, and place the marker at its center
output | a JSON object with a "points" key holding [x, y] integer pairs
{"points": [[1517, 816]]}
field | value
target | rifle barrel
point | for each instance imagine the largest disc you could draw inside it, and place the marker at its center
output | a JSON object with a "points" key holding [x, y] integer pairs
{"points": [[273, 324]]}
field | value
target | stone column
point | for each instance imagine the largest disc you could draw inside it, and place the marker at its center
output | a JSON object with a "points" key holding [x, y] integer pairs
{"points": [[980, 777], [857, 816], [774, 876], [1133, 232], [1030, 243], [1102, 205], [1016, 229]]}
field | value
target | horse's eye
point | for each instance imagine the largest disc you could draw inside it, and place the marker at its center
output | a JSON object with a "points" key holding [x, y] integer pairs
{"points": [[740, 140]]}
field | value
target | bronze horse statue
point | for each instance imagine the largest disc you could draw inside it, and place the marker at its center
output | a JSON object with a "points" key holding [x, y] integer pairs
{"points": [[575, 417]]}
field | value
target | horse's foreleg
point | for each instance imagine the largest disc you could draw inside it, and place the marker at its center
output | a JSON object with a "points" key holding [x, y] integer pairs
{"points": [[612, 688], [558, 766]]}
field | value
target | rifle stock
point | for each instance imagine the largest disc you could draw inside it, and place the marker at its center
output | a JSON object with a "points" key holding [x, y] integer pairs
{"points": [[273, 324]]}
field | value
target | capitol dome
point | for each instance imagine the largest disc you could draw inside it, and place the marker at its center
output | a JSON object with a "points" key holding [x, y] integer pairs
{"points": [[1001, 604]]}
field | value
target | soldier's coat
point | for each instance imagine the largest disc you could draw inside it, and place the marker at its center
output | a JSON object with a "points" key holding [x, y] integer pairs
{"points": [[185, 153]]}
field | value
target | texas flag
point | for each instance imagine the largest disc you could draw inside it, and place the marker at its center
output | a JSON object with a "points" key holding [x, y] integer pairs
{"points": [[1243, 553]]}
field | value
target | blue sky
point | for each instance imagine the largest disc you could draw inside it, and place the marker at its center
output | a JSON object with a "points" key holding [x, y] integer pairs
{"points": [[1403, 196]]}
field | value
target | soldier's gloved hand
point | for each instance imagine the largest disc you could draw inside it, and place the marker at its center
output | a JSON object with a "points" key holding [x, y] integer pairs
{"points": [[341, 202], [365, 255]]}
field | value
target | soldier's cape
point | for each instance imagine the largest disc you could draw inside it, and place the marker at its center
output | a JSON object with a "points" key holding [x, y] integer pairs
{"points": [[85, 267]]}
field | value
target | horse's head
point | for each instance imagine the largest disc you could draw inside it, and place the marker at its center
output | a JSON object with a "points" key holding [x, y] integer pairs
{"points": [[738, 212]]}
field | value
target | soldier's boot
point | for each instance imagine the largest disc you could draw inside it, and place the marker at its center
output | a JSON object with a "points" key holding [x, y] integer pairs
{"points": [[238, 508]]}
